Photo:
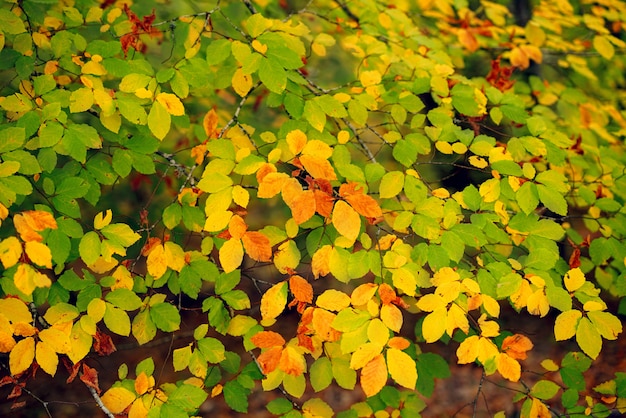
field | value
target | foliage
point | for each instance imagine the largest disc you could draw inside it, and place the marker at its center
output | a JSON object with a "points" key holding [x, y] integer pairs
{"points": [[389, 174]]}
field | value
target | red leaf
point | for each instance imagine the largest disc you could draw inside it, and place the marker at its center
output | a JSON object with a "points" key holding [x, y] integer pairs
{"points": [[90, 377], [103, 344]]}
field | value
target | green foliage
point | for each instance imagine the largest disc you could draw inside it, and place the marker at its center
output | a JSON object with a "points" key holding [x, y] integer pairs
{"points": [[330, 188]]}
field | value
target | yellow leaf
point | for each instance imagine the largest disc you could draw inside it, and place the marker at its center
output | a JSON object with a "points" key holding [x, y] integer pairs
{"points": [[491, 306], [486, 349], [468, 350], [296, 140], [7, 342], [22, 355], [477, 161], [46, 358], [287, 256], [241, 196], [490, 190], [102, 219], [320, 262], [157, 262], [273, 301], [364, 354], [370, 78], [38, 253], [123, 279], [457, 318], [117, 399], [24, 279], [317, 148], [209, 123], [566, 323], [488, 328], [333, 300], [57, 339], [518, 58], [10, 252], [138, 409], [603, 46], [217, 220], [374, 376], [292, 362], [231, 255], [434, 325], [242, 83], [346, 220], [508, 367], [378, 332], [363, 294], [445, 275], [171, 103], [574, 279], [430, 302], [537, 303], [15, 310], [322, 320], [391, 317], [402, 368], [539, 410]]}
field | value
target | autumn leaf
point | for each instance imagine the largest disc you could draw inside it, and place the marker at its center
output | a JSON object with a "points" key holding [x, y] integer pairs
{"points": [[142, 383], [574, 279], [364, 354], [317, 167], [363, 294], [171, 103], [10, 252], [320, 265], [22, 355], [296, 140], [374, 376], [269, 359], [273, 301], [242, 83], [346, 220], [209, 123], [292, 362], [257, 246], [267, 339], [156, 261], [391, 317], [508, 367], [333, 300], [321, 321], [566, 323], [237, 227], [271, 184], [38, 253], [364, 204], [402, 368], [231, 255], [117, 399], [516, 346], [301, 289]]}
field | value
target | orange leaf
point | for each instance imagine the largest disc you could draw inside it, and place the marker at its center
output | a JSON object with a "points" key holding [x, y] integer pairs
{"points": [[321, 324], [264, 170], [210, 123], [292, 362], [268, 360], [399, 343], [301, 289], [267, 339], [516, 346], [374, 376], [271, 185], [539, 410], [320, 261], [362, 203], [346, 220], [237, 227], [468, 40], [318, 168], [33, 220], [257, 246], [142, 383], [519, 58], [508, 367], [198, 153], [323, 203], [302, 205], [386, 293]]}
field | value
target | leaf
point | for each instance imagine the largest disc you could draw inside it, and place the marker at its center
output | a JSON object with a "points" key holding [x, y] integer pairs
{"points": [[273, 301], [292, 362], [603, 46], [391, 184], [365, 205], [89, 247], [318, 167], [287, 256], [171, 103], [267, 339], [10, 251], [273, 75], [46, 358], [257, 246], [362, 294], [301, 289], [374, 376], [434, 325], [607, 324], [209, 123], [231, 255], [391, 317], [117, 399], [156, 261], [165, 316], [21, 356], [346, 220], [516, 346], [574, 279], [242, 83], [508, 367], [566, 324], [159, 120], [333, 300], [117, 320], [588, 338], [402, 368], [180, 358], [544, 389]]}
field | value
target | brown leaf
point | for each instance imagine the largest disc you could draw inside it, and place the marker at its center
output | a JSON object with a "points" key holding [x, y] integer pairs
{"points": [[90, 377], [103, 344]]}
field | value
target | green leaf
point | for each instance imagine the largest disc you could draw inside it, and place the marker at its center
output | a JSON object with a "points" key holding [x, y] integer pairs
{"points": [[143, 327], [544, 389], [89, 247], [120, 234], [124, 299], [273, 75], [11, 23], [116, 320], [321, 374], [217, 51], [11, 138], [165, 316], [279, 406], [391, 184], [331, 106], [588, 338], [405, 152], [159, 120], [314, 114], [236, 396], [343, 374], [212, 349], [552, 199], [187, 397]]}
